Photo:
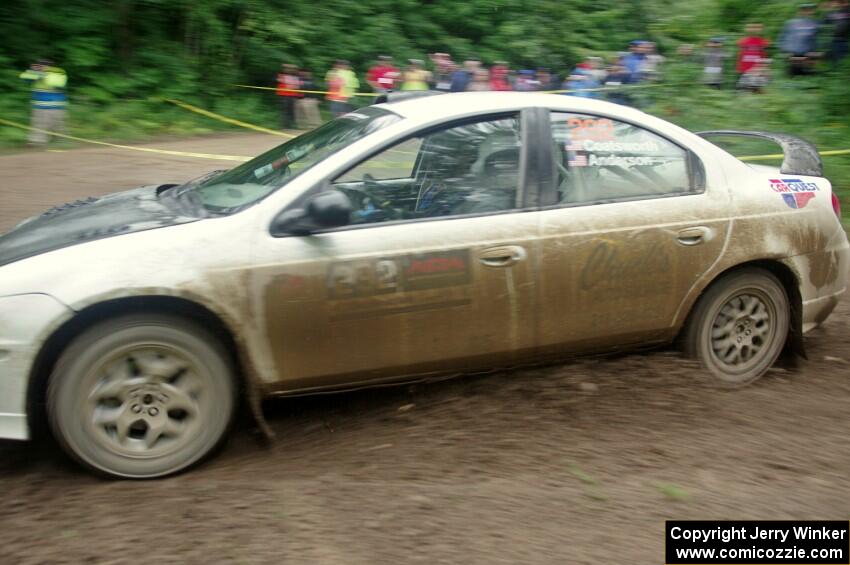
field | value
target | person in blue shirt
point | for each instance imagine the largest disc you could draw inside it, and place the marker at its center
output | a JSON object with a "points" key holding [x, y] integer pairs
{"points": [[634, 60], [49, 101], [462, 76], [799, 41], [581, 83]]}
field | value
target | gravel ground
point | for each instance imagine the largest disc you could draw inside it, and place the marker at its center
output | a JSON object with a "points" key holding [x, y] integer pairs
{"points": [[576, 463]]}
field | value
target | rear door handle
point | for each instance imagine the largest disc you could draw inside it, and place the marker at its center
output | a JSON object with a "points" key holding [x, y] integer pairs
{"points": [[503, 256], [694, 236]]}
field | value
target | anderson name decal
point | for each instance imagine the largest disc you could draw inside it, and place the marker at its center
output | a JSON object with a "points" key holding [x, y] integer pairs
{"points": [[619, 161]]}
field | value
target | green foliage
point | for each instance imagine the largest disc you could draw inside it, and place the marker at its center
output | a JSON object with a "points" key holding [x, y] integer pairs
{"points": [[132, 48]]}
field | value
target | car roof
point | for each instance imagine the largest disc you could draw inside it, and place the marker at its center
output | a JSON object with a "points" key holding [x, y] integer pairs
{"points": [[425, 109], [466, 103]]}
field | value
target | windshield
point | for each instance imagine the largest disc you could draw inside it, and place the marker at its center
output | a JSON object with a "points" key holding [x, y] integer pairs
{"points": [[248, 183]]}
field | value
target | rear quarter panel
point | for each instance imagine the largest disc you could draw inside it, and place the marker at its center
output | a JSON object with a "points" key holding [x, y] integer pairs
{"points": [[789, 219]]}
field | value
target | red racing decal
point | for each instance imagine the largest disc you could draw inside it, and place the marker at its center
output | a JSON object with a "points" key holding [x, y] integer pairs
{"points": [[435, 265]]}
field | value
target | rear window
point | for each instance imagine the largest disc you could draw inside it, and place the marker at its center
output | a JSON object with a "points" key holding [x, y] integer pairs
{"points": [[600, 159]]}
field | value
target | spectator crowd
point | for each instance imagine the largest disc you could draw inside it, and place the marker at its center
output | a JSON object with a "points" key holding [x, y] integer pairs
{"points": [[804, 41], [591, 78], [815, 34]]}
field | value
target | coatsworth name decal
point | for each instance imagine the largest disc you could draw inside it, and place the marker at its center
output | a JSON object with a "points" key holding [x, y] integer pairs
{"points": [[795, 192]]}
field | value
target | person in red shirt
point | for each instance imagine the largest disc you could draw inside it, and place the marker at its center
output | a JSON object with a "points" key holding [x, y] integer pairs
{"points": [[752, 49], [383, 75], [288, 83], [499, 76]]}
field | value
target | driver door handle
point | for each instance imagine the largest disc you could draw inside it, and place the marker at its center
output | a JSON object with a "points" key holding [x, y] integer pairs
{"points": [[502, 256], [694, 236]]}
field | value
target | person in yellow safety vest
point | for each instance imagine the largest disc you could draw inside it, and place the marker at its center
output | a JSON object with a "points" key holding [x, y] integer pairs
{"points": [[415, 77], [49, 101], [342, 84]]}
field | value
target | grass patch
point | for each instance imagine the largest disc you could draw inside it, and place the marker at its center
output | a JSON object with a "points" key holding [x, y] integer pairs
{"points": [[577, 472], [673, 492]]}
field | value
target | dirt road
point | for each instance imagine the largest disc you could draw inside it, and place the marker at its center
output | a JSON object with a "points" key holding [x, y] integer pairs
{"points": [[578, 463]]}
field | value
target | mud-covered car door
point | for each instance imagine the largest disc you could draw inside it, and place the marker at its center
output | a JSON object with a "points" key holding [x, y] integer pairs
{"points": [[631, 226], [434, 273]]}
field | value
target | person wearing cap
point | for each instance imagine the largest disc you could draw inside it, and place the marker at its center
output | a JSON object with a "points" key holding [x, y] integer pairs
{"points": [[49, 100], [799, 41]]}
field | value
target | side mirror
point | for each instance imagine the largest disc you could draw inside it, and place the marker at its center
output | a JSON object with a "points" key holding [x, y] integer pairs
{"points": [[329, 209]]}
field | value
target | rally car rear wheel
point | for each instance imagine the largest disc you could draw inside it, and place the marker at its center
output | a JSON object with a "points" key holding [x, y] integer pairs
{"points": [[141, 396], [739, 326]]}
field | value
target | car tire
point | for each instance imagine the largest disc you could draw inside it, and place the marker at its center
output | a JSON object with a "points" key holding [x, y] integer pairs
{"points": [[739, 326], [142, 396]]}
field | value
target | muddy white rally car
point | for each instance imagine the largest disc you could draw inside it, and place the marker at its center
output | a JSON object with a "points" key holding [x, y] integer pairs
{"points": [[427, 236]]}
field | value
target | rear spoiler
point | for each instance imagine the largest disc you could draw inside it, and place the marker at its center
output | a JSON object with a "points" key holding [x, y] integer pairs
{"points": [[799, 156]]}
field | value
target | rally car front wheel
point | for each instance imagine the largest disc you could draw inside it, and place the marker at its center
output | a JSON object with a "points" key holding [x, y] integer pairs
{"points": [[739, 326], [142, 396]]}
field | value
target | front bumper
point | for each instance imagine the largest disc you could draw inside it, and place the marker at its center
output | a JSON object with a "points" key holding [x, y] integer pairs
{"points": [[26, 321]]}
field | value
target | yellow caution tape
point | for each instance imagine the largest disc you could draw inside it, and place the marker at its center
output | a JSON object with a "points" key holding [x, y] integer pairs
{"points": [[132, 148], [219, 117], [225, 119], [761, 157], [781, 156]]}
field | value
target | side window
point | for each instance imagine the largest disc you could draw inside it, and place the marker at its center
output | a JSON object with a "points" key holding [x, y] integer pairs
{"points": [[601, 159], [472, 168], [397, 163]]}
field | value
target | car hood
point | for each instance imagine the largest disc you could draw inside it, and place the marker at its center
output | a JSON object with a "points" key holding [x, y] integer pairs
{"points": [[90, 219]]}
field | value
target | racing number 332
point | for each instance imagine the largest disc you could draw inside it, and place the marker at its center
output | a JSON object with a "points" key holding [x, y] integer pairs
{"points": [[353, 279]]}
